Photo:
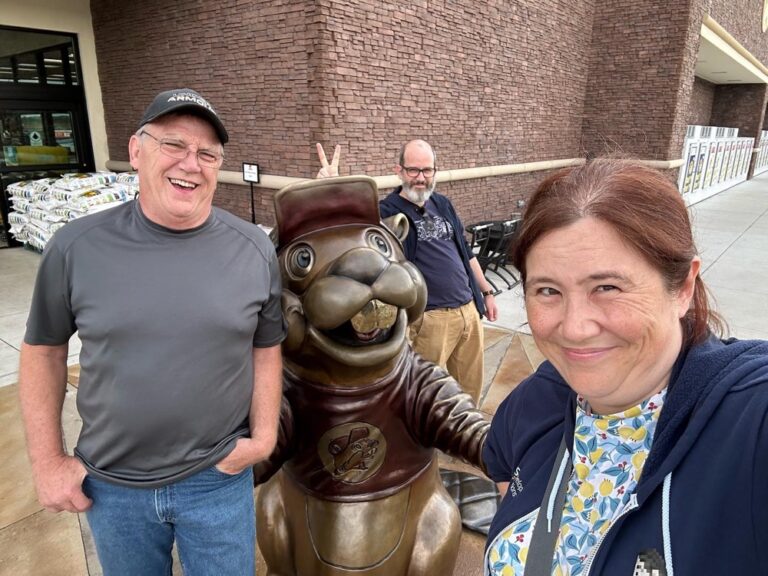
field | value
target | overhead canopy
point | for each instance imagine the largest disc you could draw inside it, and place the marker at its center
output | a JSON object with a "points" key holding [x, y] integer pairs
{"points": [[722, 60]]}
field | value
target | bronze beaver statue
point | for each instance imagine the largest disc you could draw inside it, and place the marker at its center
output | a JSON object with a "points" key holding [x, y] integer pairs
{"points": [[359, 491]]}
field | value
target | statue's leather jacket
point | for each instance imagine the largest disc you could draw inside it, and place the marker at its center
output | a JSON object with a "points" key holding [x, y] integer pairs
{"points": [[376, 439]]}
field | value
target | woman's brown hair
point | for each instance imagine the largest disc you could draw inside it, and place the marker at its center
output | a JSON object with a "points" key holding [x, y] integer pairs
{"points": [[642, 206]]}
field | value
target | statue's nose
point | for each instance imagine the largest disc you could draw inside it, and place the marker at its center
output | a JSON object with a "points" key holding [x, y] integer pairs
{"points": [[363, 264]]}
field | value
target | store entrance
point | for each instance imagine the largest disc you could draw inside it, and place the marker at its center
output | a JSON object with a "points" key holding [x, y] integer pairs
{"points": [[44, 128]]}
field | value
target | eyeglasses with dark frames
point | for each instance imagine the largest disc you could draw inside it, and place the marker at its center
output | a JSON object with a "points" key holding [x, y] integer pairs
{"points": [[178, 149], [412, 171]]}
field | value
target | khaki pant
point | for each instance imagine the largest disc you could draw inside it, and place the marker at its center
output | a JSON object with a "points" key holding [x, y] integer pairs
{"points": [[453, 339]]}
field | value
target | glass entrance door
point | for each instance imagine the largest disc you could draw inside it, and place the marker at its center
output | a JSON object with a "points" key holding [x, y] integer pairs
{"points": [[43, 120], [38, 137]]}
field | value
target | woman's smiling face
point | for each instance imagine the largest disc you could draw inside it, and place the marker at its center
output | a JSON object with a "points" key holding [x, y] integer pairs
{"points": [[603, 315]]}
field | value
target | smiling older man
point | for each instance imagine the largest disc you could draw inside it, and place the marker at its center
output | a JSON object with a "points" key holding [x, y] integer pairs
{"points": [[177, 305]]}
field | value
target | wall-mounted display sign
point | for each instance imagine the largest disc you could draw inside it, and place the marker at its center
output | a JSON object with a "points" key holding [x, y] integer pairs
{"points": [[251, 173]]}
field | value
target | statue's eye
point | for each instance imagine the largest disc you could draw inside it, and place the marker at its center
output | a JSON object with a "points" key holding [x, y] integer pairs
{"points": [[300, 260], [378, 241], [304, 259]]}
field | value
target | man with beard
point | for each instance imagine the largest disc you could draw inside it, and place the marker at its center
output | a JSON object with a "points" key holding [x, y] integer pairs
{"points": [[450, 333]]}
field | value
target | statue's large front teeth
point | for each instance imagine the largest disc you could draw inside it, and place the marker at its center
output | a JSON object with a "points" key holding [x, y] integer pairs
{"points": [[375, 314]]}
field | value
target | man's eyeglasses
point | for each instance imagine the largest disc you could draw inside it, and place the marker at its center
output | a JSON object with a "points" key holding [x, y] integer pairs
{"points": [[413, 172], [179, 150]]}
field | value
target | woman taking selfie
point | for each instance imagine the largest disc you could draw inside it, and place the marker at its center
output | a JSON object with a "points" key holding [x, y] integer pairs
{"points": [[642, 442]]}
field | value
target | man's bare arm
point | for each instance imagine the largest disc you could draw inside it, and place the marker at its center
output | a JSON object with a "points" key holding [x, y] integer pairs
{"points": [[58, 476], [265, 412], [491, 311]]}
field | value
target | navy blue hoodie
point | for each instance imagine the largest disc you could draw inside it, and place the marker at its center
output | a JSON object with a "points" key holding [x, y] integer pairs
{"points": [[709, 454]]}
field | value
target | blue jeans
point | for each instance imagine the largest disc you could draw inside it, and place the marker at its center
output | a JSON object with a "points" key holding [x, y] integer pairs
{"points": [[210, 514]]}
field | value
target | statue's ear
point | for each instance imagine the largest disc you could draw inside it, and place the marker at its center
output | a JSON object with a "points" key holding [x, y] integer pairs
{"points": [[293, 312], [398, 225]]}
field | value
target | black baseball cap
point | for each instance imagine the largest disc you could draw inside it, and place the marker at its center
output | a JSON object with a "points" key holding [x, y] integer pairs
{"points": [[184, 100]]}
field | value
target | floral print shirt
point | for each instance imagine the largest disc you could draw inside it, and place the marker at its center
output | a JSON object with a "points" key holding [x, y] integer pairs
{"points": [[609, 452]]}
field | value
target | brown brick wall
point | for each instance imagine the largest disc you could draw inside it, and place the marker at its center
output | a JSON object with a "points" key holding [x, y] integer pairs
{"points": [[743, 19], [237, 199], [487, 83], [702, 99], [740, 106], [480, 199], [641, 76], [492, 198], [252, 60]]}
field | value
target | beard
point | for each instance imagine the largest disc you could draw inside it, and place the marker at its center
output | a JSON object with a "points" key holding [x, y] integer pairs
{"points": [[418, 196]]}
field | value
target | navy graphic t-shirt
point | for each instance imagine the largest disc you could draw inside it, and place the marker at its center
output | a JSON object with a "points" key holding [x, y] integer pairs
{"points": [[437, 257]]}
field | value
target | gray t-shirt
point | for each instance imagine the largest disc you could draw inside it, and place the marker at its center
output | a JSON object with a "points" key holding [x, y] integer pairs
{"points": [[168, 321]]}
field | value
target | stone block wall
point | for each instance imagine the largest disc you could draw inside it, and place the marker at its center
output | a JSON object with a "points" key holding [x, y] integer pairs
{"points": [[743, 19], [251, 60], [486, 83], [702, 99], [641, 77], [740, 106]]}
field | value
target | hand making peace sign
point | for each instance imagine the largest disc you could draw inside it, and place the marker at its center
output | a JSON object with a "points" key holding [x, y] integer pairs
{"points": [[328, 170]]}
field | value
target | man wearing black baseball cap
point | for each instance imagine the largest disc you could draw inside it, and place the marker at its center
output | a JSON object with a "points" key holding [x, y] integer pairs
{"points": [[188, 101], [177, 306]]}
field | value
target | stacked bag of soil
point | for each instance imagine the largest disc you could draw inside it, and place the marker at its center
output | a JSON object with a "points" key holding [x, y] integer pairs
{"points": [[40, 207]]}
